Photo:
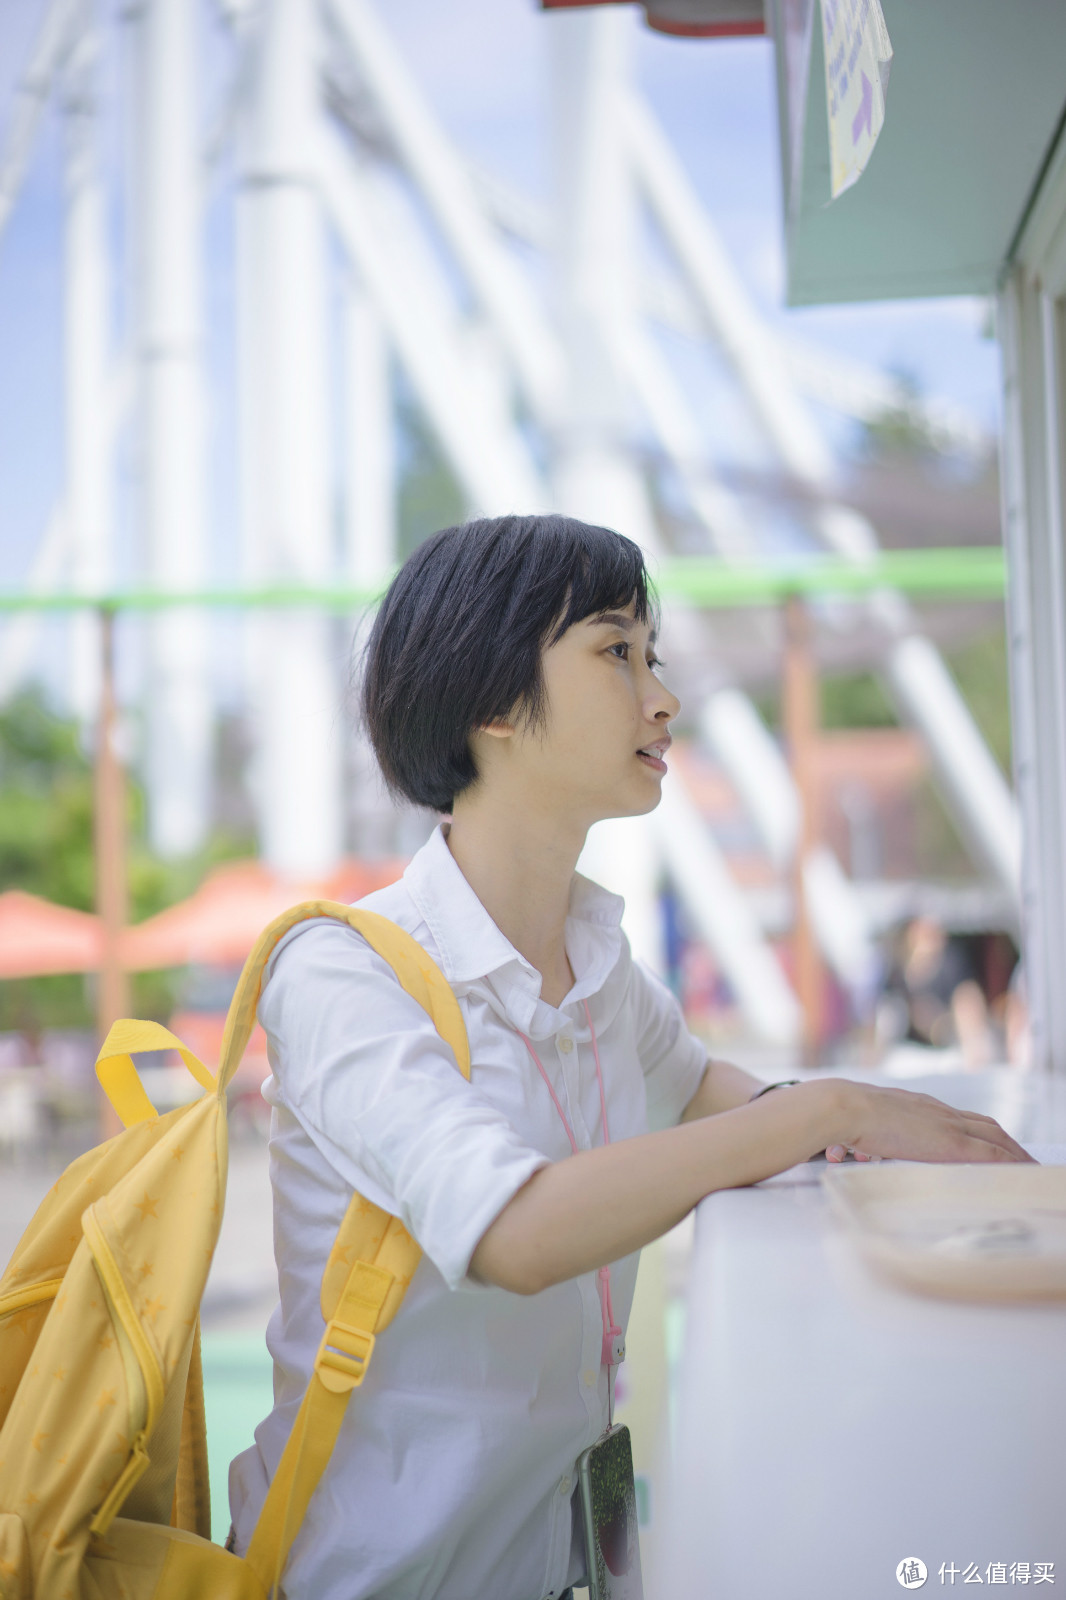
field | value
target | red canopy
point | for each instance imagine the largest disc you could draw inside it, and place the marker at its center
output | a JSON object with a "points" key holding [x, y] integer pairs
{"points": [[219, 924], [37, 937], [691, 19]]}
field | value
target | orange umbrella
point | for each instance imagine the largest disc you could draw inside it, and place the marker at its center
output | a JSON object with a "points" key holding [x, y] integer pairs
{"points": [[219, 924], [37, 937]]}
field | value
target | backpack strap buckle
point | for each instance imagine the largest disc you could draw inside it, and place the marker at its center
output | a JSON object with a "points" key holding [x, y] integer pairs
{"points": [[343, 1356], [348, 1342]]}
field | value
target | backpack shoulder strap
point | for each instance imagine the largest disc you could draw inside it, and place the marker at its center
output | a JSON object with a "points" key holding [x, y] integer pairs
{"points": [[418, 973], [374, 1257]]}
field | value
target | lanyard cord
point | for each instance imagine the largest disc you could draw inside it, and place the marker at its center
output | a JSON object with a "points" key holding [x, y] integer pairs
{"points": [[613, 1348]]}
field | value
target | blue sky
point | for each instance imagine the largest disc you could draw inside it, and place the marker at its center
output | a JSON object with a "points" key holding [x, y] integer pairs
{"points": [[482, 64]]}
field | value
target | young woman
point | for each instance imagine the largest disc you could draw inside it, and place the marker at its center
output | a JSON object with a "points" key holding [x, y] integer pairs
{"points": [[511, 684]]}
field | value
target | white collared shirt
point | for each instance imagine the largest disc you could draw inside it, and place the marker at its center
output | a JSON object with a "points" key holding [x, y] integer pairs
{"points": [[453, 1473]]}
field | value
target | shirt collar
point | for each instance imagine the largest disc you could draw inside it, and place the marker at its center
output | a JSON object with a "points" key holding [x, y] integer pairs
{"points": [[470, 945]]}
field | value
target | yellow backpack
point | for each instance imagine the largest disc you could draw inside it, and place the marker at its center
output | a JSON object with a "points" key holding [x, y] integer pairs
{"points": [[103, 1456]]}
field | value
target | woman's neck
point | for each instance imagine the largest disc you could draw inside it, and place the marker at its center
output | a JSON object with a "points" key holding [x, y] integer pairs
{"points": [[521, 873]]}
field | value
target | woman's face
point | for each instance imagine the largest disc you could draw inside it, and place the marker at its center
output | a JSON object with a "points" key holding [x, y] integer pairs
{"points": [[600, 751]]}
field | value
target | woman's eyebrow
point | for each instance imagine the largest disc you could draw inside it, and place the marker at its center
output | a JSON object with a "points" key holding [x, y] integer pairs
{"points": [[618, 619]]}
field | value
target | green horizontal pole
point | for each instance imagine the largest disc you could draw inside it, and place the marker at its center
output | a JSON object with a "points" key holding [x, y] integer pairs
{"points": [[282, 597], [954, 574], [958, 574]]}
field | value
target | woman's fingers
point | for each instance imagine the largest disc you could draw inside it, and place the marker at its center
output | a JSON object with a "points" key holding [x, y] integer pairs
{"points": [[1007, 1149], [911, 1126], [991, 1130]]}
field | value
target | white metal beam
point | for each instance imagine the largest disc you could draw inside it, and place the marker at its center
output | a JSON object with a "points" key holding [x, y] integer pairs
{"points": [[172, 524], [284, 468], [758, 771], [672, 422], [444, 183], [723, 917], [483, 447], [980, 798], [741, 333], [737, 735], [89, 492], [841, 383], [32, 90]]}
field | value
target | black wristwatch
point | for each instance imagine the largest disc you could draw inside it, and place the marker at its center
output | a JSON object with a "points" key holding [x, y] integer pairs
{"points": [[785, 1083]]}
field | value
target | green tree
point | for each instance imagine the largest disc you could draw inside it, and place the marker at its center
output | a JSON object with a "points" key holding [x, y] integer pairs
{"points": [[900, 430], [46, 848]]}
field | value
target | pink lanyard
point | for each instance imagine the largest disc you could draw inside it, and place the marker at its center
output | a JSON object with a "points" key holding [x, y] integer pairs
{"points": [[613, 1349]]}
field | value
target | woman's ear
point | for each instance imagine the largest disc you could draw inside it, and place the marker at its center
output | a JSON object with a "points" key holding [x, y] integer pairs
{"points": [[497, 730]]}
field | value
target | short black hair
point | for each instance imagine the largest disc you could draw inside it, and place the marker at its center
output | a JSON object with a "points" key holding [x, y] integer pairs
{"points": [[457, 640]]}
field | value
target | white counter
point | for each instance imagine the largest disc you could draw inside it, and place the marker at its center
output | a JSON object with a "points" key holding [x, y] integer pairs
{"points": [[830, 1424]]}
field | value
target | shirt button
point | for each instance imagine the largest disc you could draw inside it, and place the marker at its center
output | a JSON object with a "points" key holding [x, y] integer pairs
{"points": [[588, 1377], [564, 1485], [566, 1044]]}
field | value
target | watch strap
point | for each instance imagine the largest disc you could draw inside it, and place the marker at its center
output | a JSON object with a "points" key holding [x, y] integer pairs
{"points": [[784, 1083]]}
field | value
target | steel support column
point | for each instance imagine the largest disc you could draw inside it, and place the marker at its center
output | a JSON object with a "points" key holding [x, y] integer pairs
{"points": [[88, 516], [284, 468], [173, 535]]}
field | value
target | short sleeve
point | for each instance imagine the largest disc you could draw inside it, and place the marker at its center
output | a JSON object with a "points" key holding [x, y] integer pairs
{"points": [[366, 1075], [673, 1060]]}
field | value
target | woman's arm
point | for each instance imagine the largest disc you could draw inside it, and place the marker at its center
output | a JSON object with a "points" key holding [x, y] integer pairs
{"points": [[599, 1205], [723, 1087]]}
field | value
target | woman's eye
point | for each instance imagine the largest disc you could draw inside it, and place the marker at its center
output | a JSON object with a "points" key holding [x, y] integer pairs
{"points": [[621, 650]]}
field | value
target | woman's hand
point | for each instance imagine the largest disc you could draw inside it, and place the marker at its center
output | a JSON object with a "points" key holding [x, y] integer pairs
{"points": [[916, 1127]]}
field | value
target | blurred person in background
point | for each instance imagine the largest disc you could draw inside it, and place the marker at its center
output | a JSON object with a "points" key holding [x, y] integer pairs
{"points": [[931, 997]]}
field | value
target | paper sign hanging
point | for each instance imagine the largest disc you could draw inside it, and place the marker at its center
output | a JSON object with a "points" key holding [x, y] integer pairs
{"points": [[858, 54]]}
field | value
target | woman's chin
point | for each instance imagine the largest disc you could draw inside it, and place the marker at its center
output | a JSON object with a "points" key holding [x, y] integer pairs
{"points": [[632, 805]]}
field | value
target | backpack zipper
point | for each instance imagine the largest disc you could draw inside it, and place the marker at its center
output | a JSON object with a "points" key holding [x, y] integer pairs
{"points": [[126, 1316]]}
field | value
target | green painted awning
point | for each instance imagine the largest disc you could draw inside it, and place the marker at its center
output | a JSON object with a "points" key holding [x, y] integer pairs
{"points": [[975, 99]]}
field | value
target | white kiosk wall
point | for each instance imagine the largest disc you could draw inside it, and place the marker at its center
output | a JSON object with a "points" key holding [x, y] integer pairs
{"points": [[1032, 311]]}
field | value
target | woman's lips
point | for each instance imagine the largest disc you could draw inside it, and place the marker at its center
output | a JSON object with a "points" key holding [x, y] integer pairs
{"points": [[654, 752]]}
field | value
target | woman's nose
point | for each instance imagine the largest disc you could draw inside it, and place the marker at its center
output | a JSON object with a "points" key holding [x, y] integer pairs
{"points": [[665, 705]]}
